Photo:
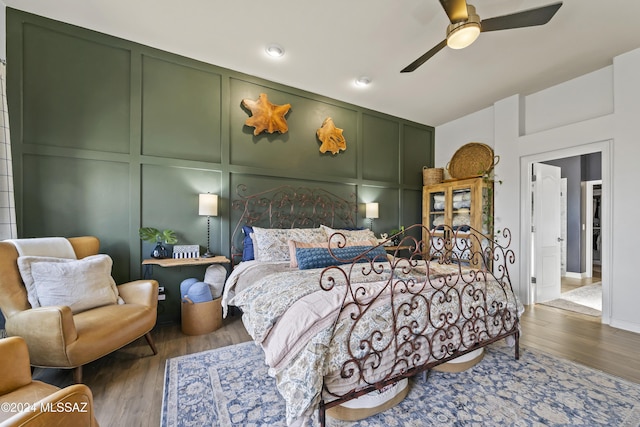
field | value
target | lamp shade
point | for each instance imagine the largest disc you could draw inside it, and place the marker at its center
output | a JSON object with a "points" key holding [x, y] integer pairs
{"points": [[371, 210], [208, 204]]}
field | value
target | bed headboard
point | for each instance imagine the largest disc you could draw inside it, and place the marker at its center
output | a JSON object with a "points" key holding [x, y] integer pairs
{"points": [[289, 207]]}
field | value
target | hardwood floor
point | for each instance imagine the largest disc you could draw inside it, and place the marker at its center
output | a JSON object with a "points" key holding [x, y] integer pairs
{"points": [[582, 339], [127, 385], [568, 284]]}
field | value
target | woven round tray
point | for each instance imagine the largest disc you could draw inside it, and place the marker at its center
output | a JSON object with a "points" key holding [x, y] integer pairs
{"points": [[471, 160]]}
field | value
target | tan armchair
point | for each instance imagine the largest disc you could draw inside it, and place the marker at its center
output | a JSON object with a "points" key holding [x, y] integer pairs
{"points": [[57, 338], [24, 402]]}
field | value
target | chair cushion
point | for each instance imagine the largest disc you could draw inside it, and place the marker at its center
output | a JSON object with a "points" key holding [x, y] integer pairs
{"points": [[28, 394], [107, 328], [79, 284]]}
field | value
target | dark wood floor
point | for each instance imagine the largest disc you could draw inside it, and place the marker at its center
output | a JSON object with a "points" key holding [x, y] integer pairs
{"points": [[128, 384]]}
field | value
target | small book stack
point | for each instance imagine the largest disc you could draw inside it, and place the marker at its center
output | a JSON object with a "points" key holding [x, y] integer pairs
{"points": [[186, 251]]}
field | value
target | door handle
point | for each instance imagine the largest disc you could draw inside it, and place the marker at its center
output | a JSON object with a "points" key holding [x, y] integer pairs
{"points": [[560, 239]]}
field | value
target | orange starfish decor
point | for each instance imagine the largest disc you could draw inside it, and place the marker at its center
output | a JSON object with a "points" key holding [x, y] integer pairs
{"points": [[266, 116], [331, 137]]}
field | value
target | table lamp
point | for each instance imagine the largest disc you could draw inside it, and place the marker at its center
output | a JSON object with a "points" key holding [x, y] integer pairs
{"points": [[208, 205]]}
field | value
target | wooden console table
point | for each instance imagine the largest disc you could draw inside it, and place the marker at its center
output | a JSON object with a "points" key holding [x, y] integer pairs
{"points": [[397, 248], [183, 262], [204, 318]]}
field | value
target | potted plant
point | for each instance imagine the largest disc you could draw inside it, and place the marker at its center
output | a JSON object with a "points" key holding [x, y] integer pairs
{"points": [[150, 234], [396, 235]]}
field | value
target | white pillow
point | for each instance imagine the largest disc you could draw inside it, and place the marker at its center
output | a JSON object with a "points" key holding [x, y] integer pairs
{"points": [[79, 284], [270, 244], [364, 235]]}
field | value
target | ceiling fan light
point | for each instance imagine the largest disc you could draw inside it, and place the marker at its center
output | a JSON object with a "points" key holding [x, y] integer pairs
{"points": [[463, 35]]}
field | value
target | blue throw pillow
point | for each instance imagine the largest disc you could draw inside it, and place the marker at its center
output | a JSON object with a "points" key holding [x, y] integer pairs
{"points": [[320, 257], [199, 292], [247, 243], [185, 285]]}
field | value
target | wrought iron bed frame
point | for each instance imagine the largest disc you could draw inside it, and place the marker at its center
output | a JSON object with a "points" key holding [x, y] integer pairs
{"points": [[443, 334], [287, 207]]}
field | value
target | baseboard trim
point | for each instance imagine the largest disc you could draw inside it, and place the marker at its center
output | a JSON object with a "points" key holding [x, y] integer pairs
{"points": [[573, 275]]}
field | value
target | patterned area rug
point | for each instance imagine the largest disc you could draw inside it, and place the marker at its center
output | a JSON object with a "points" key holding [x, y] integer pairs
{"points": [[230, 387], [585, 299]]}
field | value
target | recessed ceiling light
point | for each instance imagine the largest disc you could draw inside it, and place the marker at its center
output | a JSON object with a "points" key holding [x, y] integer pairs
{"points": [[274, 50], [363, 81]]}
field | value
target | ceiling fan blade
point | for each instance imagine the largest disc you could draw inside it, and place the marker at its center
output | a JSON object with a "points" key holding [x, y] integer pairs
{"points": [[418, 62], [456, 10], [526, 18]]}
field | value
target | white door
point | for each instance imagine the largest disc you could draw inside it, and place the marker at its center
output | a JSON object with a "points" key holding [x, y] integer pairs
{"points": [[546, 231]]}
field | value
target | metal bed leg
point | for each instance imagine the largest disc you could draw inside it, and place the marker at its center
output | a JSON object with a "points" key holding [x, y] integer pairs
{"points": [[321, 414]]}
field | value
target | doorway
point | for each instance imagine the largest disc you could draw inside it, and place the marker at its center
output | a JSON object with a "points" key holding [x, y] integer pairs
{"points": [[575, 271], [593, 227]]}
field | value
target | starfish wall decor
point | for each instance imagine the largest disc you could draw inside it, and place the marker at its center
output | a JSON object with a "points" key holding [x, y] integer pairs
{"points": [[331, 137], [266, 116]]}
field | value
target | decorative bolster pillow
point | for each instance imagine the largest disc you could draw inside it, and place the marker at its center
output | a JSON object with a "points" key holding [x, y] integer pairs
{"points": [[321, 257], [294, 245]]}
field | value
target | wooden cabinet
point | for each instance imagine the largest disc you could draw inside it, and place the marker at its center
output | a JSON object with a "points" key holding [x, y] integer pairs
{"points": [[452, 210]]}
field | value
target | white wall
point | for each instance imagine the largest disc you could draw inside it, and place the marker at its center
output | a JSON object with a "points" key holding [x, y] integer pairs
{"points": [[477, 127], [599, 111], [587, 97]]}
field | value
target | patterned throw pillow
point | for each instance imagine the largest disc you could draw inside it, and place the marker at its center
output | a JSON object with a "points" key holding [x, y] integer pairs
{"points": [[270, 244], [364, 235], [320, 257]]}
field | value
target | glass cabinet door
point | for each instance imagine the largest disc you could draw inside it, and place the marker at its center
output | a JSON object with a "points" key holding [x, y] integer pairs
{"points": [[437, 209], [461, 203]]}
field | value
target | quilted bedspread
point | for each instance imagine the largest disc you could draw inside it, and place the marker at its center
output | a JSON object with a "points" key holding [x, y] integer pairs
{"points": [[308, 333]]}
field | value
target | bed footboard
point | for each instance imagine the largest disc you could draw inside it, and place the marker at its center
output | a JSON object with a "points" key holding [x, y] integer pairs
{"points": [[447, 297]]}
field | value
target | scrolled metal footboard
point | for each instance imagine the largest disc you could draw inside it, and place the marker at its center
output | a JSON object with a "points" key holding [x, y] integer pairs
{"points": [[449, 296]]}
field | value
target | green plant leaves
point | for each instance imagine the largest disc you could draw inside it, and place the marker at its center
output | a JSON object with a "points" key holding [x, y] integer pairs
{"points": [[151, 234]]}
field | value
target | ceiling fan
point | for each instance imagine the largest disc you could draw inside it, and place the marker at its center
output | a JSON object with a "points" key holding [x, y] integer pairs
{"points": [[466, 25]]}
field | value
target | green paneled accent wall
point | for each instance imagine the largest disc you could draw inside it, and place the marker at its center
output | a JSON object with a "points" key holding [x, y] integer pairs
{"points": [[166, 189], [380, 160], [110, 135], [181, 107], [72, 196], [414, 139], [76, 91], [411, 203]]}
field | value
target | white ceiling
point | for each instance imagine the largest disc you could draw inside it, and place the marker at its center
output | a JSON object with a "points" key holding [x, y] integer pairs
{"points": [[331, 42]]}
